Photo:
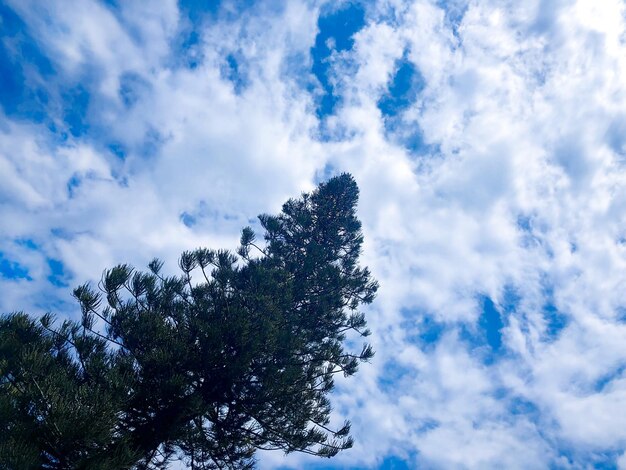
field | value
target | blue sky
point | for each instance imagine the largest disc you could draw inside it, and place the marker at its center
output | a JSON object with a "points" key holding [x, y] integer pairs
{"points": [[488, 141]]}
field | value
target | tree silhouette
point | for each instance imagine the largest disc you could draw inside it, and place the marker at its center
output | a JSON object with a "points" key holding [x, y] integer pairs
{"points": [[237, 353]]}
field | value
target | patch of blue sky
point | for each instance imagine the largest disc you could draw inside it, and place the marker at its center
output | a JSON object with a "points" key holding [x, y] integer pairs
{"points": [[336, 29], [24, 69], [455, 9], [30, 87], [118, 149], [484, 338], [75, 109], [325, 173], [296, 65], [423, 329], [430, 331], [62, 233], [524, 227], [531, 234], [151, 144], [203, 213], [188, 220], [27, 243], [233, 69], [185, 45], [55, 303], [571, 156], [403, 91], [395, 463], [510, 300], [491, 324], [555, 321], [616, 135], [77, 180], [58, 276], [388, 462], [520, 406], [606, 461], [584, 457], [187, 49], [563, 453], [394, 375], [197, 14], [412, 139], [524, 223], [546, 16], [111, 3], [605, 380], [12, 270], [132, 88], [198, 10], [72, 185], [454, 12]]}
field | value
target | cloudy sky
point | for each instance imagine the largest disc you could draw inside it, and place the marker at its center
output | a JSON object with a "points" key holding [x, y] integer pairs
{"points": [[488, 138]]}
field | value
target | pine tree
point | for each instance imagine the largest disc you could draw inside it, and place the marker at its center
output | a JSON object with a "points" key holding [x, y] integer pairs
{"points": [[237, 353]]}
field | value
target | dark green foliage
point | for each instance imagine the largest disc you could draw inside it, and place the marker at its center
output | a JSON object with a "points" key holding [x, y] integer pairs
{"points": [[240, 357]]}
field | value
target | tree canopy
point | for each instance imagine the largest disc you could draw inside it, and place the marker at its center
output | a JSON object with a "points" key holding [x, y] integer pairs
{"points": [[236, 353]]}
